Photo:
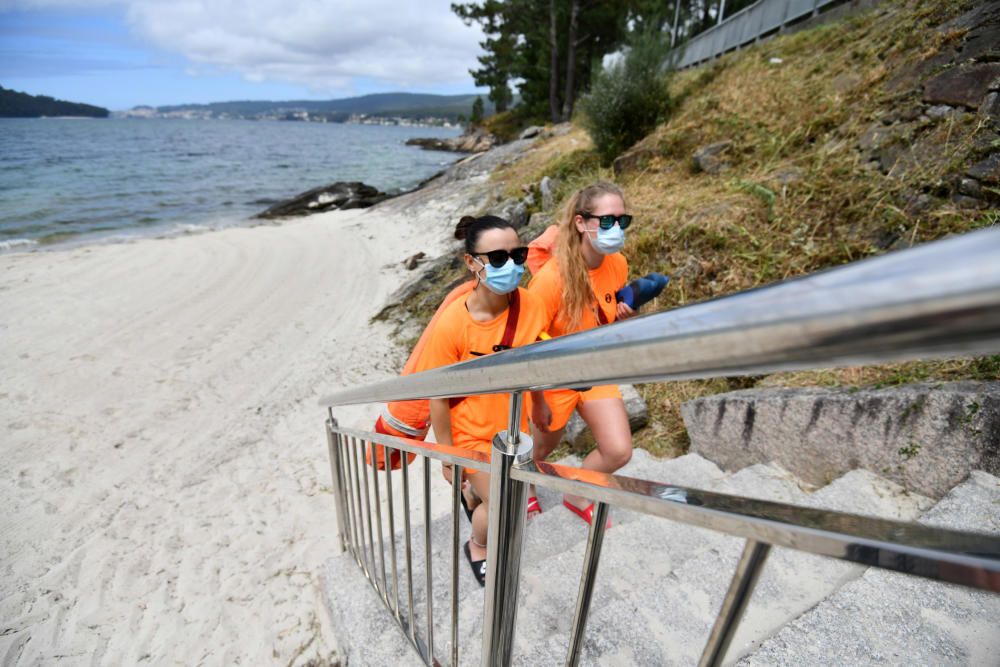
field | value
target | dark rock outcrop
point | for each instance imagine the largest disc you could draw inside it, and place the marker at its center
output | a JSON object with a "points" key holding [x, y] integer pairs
{"points": [[338, 195], [513, 210], [636, 159], [531, 132], [472, 141], [709, 159], [987, 171], [966, 85]]}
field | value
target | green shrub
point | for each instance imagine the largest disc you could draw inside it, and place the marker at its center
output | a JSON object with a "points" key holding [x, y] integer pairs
{"points": [[629, 98]]}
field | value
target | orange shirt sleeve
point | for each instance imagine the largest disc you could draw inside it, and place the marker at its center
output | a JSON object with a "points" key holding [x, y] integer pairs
{"points": [[442, 346]]}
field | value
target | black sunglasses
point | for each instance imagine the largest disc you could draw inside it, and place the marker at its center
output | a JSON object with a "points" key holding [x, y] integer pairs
{"points": [[499, 257], [608, 221]]}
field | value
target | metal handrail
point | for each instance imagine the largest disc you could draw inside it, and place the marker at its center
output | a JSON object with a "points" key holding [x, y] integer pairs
{"points": [[952, 556], [939, 299]]}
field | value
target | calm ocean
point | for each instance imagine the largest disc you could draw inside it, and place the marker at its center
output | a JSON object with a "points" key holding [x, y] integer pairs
{"points": [[81, 181]]}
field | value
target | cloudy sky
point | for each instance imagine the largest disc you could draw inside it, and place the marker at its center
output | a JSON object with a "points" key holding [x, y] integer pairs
{"points": [[122, 53]]}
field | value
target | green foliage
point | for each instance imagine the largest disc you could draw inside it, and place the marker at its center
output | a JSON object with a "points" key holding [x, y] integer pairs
{"points": [[521, 46], [21, 105], [986, 368], [476, 117], [629, 98], [761, 192], [909, 451]]}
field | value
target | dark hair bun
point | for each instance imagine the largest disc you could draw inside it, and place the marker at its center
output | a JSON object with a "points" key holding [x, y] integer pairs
{"points": [[462, 229]]}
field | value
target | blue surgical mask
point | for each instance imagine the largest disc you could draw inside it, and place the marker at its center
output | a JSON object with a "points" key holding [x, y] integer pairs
{"points": [[608, 241], [503, 280]]}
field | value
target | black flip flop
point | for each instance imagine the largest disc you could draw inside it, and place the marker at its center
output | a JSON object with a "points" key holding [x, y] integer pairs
{"points": [[478, 567]]}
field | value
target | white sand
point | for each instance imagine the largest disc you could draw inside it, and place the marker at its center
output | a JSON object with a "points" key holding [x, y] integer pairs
{"points": [[165, 482]]}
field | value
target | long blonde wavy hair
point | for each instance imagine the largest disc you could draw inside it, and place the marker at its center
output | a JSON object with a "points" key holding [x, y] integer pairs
{"points": [[577, 293]]}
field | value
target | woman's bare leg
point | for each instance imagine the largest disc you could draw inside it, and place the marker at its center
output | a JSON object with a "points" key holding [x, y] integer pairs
{"points": [[608, 421], [480, 517]]}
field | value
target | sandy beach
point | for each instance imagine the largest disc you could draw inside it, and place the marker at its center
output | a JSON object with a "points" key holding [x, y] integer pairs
{"points": [[165, 475]]}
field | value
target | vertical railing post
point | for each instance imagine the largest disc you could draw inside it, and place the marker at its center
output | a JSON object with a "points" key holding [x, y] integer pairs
{"points": [[591, 559], [735, 603], [335, 474], [508, 500]]}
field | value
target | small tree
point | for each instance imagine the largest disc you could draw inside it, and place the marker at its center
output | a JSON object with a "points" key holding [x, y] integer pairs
{"points": [[629, 97], [478, 111]]}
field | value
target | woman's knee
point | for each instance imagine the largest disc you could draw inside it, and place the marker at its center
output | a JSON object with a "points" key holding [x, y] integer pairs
{"points": [[617, 452]]}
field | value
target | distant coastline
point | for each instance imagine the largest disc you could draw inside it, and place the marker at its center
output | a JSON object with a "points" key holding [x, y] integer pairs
{"points": [[406, 109], [14, 104]]}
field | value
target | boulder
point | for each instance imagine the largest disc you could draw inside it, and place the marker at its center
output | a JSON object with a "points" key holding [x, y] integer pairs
{"points": [[970, 187], [982, 44], [986, 171], [413, 261], [915, 203], [939, 111], [474, 140], [982, 14], [926, 437], [531, 132], [546, 189], [874, 137], [990, 108], [974, 203], [962, 86], [709, 159], [340, 195], [578, 436], [633, 160], [514, 210]]}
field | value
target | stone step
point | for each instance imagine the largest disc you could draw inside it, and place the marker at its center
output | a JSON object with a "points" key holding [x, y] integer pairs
{"points": [[557, 528], [889, 618], [628, 615], [636, 618], [659, 586]]}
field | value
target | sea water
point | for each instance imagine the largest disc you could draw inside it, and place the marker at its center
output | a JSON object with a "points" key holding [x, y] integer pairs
{"points": [[71, 181]]}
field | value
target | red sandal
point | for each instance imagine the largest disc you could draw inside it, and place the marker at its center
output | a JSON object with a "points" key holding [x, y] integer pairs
{"points": [[534, 508], [587, 513]]}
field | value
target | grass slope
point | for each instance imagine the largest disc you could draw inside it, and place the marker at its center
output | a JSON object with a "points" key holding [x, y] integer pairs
{"points": [[797, 195]]}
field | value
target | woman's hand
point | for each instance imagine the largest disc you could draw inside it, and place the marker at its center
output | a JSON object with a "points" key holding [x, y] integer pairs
{"points": [[541, 413], [624, 311]]}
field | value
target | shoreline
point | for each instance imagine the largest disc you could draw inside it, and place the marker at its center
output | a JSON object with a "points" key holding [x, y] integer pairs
{"points": [[166, 467], [60, 199]]}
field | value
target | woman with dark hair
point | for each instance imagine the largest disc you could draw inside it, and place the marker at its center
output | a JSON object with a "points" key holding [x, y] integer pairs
{"points": [[496, 314], [578, 287]]}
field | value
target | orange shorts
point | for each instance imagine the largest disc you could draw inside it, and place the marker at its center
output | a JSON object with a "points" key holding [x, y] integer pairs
{"points": [[562, 402], [478, 444]]}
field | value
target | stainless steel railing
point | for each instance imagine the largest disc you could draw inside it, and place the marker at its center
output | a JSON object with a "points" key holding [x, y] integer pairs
{"points": [[942, 299]]}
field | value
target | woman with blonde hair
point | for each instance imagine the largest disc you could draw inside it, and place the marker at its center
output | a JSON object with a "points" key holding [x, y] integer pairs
{"points": [[578, 288]]}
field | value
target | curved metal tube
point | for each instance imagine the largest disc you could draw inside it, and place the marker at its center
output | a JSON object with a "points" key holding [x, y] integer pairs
{"points": [[958, 557], [937, 300]]}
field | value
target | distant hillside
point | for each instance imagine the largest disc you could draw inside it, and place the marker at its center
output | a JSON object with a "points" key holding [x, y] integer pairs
{"points": [[404, 105], [21, 105]]}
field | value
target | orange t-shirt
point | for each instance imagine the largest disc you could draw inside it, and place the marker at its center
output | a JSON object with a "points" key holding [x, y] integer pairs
{"points": [[457, 337], [605, 280]]}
